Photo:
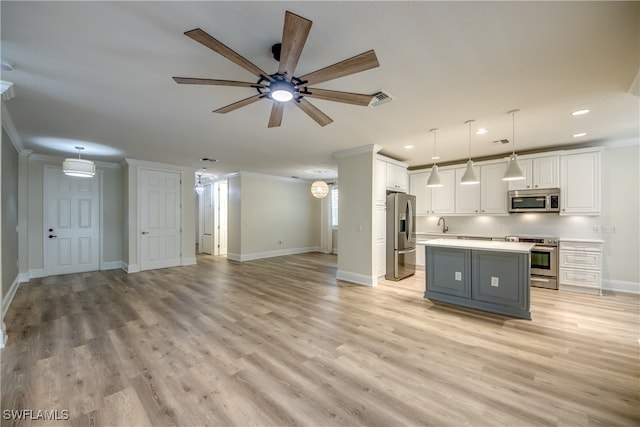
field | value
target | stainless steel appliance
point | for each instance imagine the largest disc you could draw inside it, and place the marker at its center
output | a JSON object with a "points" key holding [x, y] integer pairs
{"points": [[401, 240], [545, 200], [544, 260]]}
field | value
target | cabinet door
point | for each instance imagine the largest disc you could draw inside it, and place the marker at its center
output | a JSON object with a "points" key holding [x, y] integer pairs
{"points": [[381, 182], [467, 196], [580, 184], [443, 198], [493, 190], [381, 260], [381, 224], [418, 187], [545, 172], [448, 271], [392, 177], [527, 170], [402, 179]]}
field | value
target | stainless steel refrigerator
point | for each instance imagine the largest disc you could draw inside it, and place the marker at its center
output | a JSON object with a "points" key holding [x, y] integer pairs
{"points": [[401, 231]]}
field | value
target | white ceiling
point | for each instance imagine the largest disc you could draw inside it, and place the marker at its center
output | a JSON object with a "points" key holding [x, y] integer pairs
{"points": [[98, 74]]}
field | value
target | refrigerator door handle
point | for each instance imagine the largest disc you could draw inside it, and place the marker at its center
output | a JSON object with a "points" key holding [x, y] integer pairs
{"points": [[410, 220]]}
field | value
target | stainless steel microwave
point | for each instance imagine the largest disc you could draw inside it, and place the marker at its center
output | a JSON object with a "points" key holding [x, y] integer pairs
{"points": [[546, 200]]}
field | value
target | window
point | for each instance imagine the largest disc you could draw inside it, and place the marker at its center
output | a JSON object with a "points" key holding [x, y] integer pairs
{"points": [[334, 206]]}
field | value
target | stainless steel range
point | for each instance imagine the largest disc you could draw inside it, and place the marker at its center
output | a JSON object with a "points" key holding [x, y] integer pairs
{"points": [[544, 260]]}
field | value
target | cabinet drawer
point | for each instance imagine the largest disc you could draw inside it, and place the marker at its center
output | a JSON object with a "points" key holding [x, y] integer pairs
{"points": [[586, 278], [581, 246], [586, 260]]}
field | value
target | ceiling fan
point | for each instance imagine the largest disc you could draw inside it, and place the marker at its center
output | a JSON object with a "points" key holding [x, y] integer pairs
{"points": [[283, 86]]}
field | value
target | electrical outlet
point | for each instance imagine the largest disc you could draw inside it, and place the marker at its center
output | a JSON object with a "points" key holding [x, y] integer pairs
{"points": [[458, 276], [613, 229], [605, 229], [596, 228], [495, 281]]}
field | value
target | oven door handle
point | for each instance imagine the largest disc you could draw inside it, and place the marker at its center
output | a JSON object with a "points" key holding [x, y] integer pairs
{"points": [[544, 248]]}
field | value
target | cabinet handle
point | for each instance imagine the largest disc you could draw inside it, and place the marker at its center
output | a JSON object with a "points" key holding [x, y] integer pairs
{"points": [[528, 186], [476, 210], [482, 210], [535, 186]]}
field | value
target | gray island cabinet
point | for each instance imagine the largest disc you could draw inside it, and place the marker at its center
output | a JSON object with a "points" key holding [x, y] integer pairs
{"points": [[486, 275]]}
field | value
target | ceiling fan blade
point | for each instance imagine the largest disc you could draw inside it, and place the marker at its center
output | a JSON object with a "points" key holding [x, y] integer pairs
{"points": [[313, 112], [276, 114], [238, 104], [205, 39], [346, 97], [364, 61], [294, 35], [196, 81]]}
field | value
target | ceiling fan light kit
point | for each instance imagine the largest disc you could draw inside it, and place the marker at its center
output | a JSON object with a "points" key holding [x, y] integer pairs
{"points": [[79, 167], [283, 86]]}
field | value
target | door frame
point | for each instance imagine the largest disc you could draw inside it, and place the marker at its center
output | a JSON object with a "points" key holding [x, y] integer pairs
{"points": [[45, 200], [139, 170]]}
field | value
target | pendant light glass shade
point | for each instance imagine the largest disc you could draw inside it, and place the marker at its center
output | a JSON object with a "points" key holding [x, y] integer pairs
{"points": [[434, 178], [199, 186], [319, 189], [79, 167], [469, 177], [513, 172]]}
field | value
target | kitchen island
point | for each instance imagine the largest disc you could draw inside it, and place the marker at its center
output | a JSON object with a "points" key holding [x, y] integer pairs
{"points": [[486, 275]]}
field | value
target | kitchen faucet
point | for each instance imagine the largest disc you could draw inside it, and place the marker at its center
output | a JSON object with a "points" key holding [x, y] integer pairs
{"points": [[444, 225]]}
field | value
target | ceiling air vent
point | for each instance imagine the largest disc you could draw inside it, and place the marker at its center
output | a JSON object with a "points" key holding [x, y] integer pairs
{"points": [[381, 97], [501, 141]]}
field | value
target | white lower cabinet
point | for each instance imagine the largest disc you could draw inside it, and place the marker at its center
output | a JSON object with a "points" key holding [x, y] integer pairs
{"points": [[580, 266], [380, 241]]}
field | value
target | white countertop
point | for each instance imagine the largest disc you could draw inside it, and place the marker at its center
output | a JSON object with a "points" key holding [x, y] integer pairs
{"points": [[486, 245], [572, 239]]}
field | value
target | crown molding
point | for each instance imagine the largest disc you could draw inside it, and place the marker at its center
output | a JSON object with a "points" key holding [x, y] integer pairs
{"points": [[371, 148], [10, 128], [57, 159]]}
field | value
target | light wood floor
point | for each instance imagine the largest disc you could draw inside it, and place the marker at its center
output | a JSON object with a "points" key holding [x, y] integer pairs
{"points": [[279, 342]]}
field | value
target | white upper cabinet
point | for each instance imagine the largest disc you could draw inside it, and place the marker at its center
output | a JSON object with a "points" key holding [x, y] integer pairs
{"points": [[540, 172], [580, 183], [397, 179], [418, 187], [467, 196], [380, 182], [443, 200], [493, 190]]}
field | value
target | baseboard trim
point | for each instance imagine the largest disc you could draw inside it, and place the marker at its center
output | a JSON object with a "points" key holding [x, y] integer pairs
{"points": [[111, 265], [358, 279], [133, 268], [188, 261], [37, 273], [8, 298], [621, 286], [271, 254]]}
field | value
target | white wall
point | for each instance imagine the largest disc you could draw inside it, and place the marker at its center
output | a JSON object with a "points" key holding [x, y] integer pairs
{"points": [[355, 216], [271, 216], [620, 209], [111, 249]]}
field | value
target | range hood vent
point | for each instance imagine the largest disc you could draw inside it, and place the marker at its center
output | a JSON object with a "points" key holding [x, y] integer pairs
{"points": [[380, 97]]}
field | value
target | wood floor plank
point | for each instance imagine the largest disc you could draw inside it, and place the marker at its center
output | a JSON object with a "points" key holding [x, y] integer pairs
{"points": [[280, 341]]}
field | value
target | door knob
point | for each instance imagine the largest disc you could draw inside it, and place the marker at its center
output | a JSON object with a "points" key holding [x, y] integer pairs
{"points": [[51, 236], [145, 232], [50, 230]]}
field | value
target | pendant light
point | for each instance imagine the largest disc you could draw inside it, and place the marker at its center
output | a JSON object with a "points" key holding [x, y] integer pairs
{"points": [[79, 167], [469, 176], [199, 186], [513, 172], [319, 189], [434, 178]]}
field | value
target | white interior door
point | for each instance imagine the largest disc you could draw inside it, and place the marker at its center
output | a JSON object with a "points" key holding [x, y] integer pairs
{"points": [[207, 235], [72, 223], [160, 218], [220, 213]]}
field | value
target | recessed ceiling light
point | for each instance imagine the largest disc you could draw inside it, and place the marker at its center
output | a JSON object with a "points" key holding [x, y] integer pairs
{"points": [[481, 131], [408, 147], [578, 135], [435, 157], [580, 112]]}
